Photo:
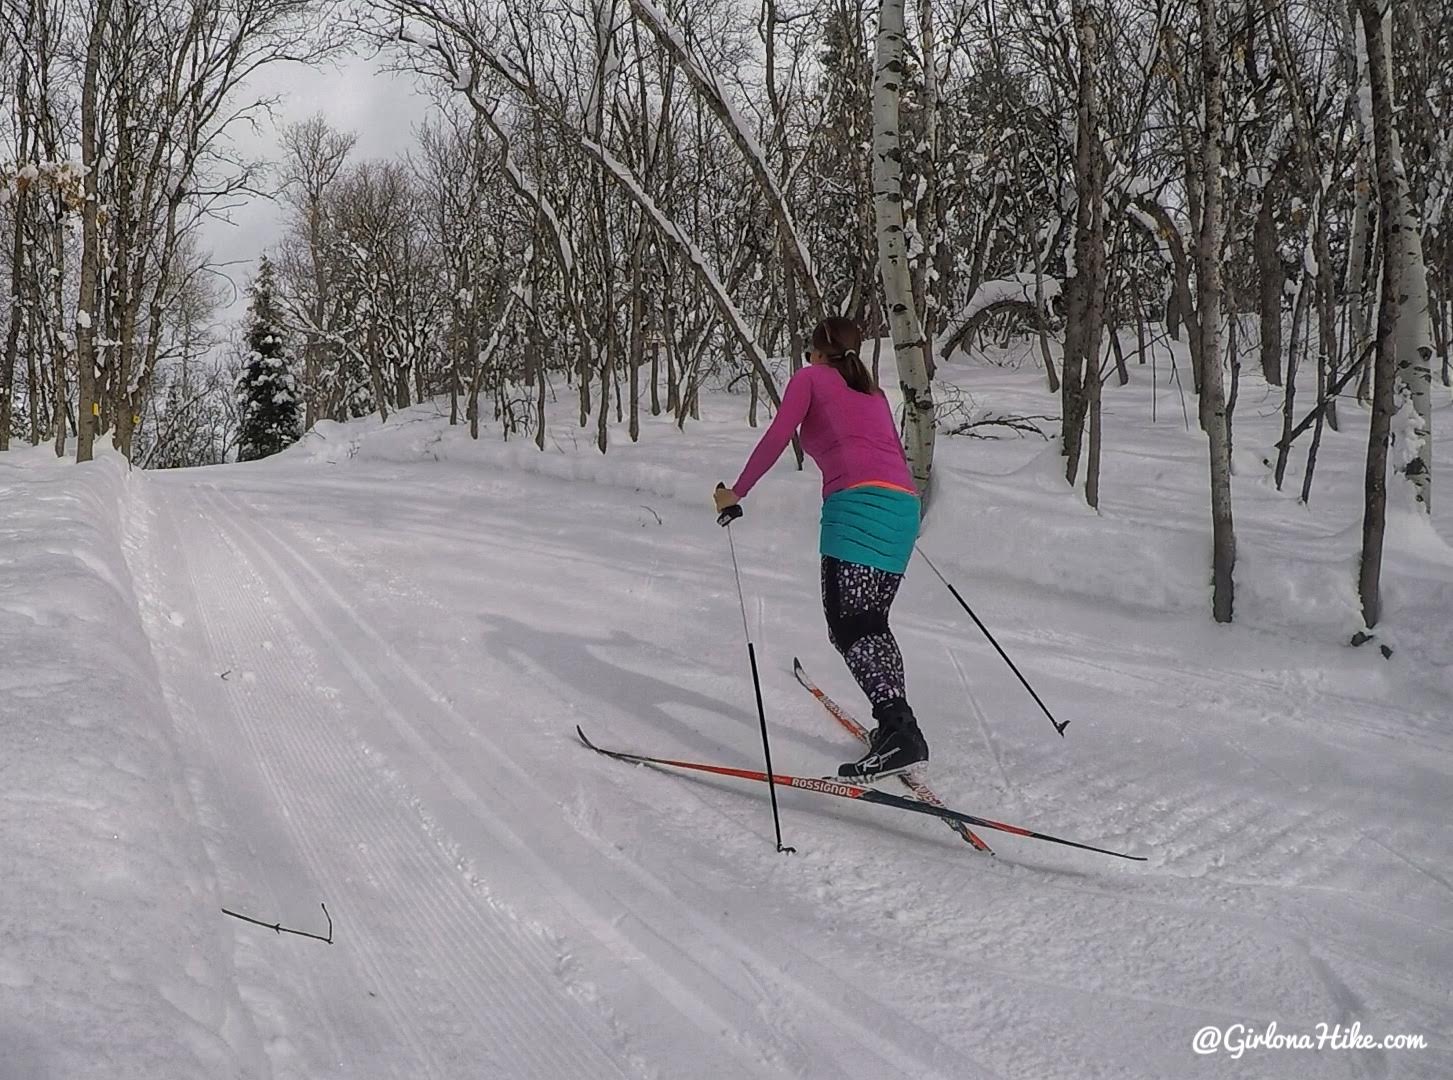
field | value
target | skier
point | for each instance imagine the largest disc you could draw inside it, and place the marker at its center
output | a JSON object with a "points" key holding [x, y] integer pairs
{"points": [[870, 514]]}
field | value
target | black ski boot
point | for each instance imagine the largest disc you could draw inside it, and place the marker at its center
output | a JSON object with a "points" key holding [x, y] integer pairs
{"points": [[896, 745]]}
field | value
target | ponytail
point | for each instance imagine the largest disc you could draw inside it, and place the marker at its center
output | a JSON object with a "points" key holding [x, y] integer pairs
{"points": [[854, 372], [839, 339]]}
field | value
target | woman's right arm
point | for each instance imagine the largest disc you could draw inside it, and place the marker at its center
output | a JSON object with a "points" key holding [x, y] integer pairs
{"points": [[774, 440]]}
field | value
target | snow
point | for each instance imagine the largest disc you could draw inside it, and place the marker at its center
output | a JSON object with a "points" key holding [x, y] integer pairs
{"points": [[1152, 227], [350, 674], [111, 960], [1021, 288]]}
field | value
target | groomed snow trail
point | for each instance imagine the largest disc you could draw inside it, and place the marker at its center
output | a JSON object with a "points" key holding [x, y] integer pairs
{"points": [[376, 669], [377, 673], [484, 928]]}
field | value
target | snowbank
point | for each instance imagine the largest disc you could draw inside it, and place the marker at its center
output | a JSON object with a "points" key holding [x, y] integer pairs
{"points": [[111, 948], [1004, 517]]}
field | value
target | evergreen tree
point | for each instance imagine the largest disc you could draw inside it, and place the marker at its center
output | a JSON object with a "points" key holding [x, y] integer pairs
{"points": [[267, 394]]}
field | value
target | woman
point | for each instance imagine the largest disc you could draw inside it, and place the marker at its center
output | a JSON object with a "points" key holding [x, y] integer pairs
{"points": [[869, 523]]}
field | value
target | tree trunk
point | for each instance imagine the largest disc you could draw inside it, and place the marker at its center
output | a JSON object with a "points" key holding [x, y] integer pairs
{"points": [[1042, 323], [21, 218], [1208, 266], [1086, 301], [1440, 328], [655, 376], [57, 341], [1289, 391], [1093, 387], [1415, 356], [18, 313], [1355, 288], [893, 266], [124, 223], [638, 332], [1374, 517], [1271, 285], [607, 370], [583, 377], [86, 307], [926, 208]]}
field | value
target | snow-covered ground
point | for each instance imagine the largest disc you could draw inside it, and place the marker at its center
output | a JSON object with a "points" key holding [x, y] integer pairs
{"points": [[351, 674]]}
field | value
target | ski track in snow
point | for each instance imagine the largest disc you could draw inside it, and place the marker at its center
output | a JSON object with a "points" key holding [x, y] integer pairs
{"points": [[265, 589], [394, 743], [374, 670], [478, 986]]}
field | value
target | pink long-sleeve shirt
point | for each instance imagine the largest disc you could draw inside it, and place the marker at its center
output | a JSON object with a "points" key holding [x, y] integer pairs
{"points": [[851, 436]]}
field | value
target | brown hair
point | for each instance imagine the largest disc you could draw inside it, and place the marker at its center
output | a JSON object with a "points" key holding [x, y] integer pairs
{"points": [[839, 339]]}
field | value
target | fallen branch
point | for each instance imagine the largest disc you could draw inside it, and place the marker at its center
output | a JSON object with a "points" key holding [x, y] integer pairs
{"points": [[281, 929], [1327, 399], [1022, 424]]}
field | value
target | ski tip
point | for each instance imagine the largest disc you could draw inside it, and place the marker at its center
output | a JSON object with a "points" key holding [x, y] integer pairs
{"points": [[796, 664], [583, 739], [1123, 855]]}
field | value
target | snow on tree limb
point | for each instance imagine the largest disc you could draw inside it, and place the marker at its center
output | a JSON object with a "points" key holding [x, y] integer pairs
{"points": [[710, 88], [1020, 291], [668, 228], [629, 183]]}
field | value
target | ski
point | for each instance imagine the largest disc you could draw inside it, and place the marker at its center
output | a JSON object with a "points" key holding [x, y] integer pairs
{"points": [[915, 785], [831, 786]]}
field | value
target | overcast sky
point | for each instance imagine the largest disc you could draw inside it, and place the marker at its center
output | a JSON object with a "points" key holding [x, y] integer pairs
{"points": [[353, 95]]}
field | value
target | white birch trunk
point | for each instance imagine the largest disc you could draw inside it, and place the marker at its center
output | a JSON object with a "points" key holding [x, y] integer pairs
{"points": [[1415, 359], [903, 321], [1413, 337]]}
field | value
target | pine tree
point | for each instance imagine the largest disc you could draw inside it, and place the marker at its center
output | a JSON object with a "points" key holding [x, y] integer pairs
{"points": [[267, 395]]}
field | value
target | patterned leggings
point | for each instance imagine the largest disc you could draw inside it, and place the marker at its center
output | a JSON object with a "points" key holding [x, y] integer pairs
{"points": [[856, 599]]}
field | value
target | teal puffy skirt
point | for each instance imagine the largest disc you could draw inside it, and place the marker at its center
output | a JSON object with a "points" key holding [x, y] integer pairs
{"points": [[873, 526]]}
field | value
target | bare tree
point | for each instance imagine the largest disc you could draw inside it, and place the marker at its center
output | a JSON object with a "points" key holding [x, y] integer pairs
{"points": [[313, 156]]}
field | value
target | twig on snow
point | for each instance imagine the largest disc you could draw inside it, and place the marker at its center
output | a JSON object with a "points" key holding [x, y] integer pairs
{"points": [[280, 929]]}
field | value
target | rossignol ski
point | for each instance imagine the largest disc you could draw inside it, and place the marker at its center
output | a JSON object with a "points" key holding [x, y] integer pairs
{"points": [[913, 783], [832, 786]]}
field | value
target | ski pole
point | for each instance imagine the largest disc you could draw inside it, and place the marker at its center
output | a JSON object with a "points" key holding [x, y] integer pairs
{"points": [[725, 519], [1058, 726]]}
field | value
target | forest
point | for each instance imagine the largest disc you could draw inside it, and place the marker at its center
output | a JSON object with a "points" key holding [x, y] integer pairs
{"points": [[618, 204]]}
